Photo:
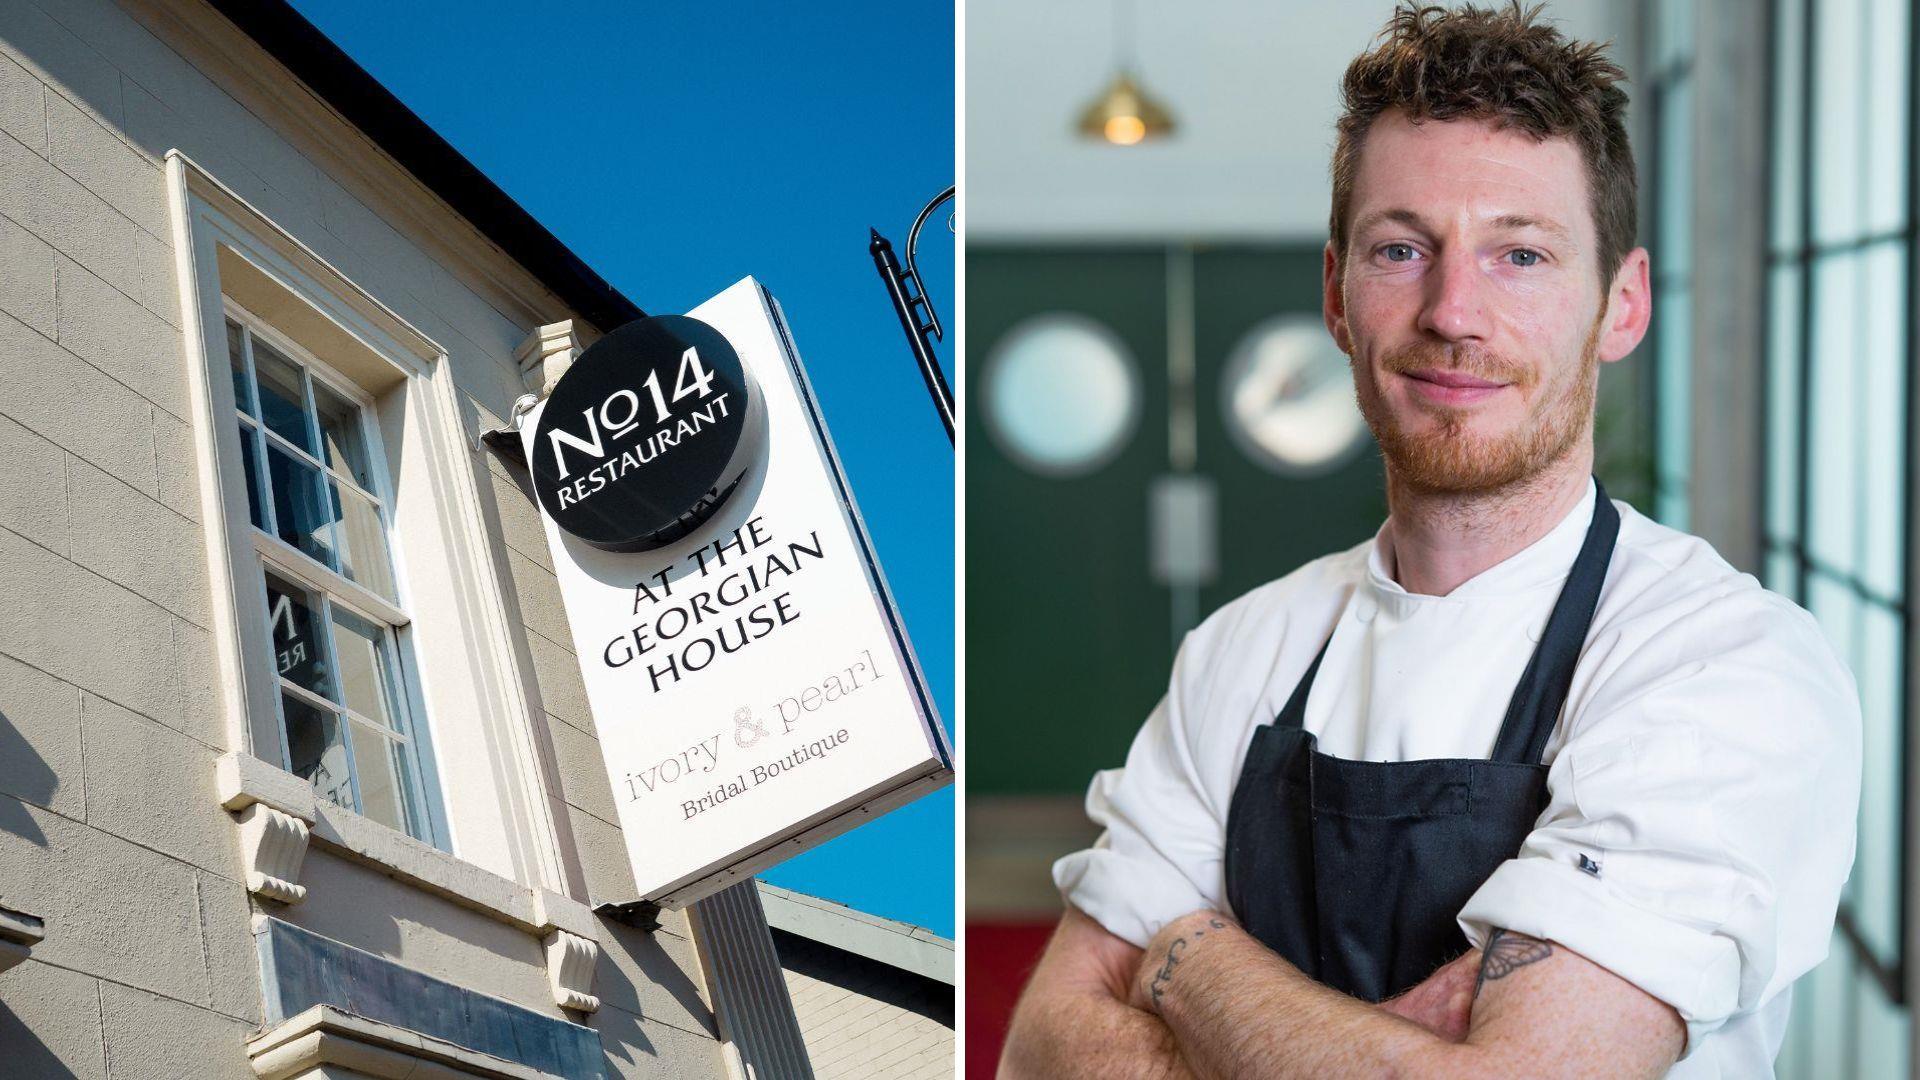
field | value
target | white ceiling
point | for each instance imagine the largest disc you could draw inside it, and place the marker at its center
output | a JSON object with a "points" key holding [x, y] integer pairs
{"points": [[1252, 84]]}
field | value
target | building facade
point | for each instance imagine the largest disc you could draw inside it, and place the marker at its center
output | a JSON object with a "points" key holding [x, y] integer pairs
{"points": [[873, 997], [297, 775]]}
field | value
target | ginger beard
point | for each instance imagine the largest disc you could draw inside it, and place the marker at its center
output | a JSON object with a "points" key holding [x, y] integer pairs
{"points": [[1444, 452]]}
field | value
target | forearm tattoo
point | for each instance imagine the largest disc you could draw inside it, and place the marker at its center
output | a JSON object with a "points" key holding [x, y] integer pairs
{"points": [[1508, 952], [1174, 949]]}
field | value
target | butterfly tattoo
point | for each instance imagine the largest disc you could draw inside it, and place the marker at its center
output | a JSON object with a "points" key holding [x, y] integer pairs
{"points": [[1508, 952]]}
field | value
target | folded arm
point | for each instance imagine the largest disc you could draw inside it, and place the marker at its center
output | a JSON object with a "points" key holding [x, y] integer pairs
{"points": [[1237, 1009], [1074, 1020]]}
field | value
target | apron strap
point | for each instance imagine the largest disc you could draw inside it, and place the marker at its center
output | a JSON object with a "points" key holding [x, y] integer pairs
{"points": [[1293, 713], [1535, 707]]}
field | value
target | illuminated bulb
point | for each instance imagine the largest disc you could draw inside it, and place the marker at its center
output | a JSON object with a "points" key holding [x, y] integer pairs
{"points": [[1125, 130]]}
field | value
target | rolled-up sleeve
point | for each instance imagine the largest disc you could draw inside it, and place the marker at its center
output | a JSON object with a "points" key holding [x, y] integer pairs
{"points": [[1160, 856], [1702, 809]]}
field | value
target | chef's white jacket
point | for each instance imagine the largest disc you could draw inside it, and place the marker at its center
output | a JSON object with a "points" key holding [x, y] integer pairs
{"points": [[1707, 759]]}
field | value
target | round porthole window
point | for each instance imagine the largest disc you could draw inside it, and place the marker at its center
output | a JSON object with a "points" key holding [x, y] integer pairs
{"points": [[1288, 398], [1062, 394]]}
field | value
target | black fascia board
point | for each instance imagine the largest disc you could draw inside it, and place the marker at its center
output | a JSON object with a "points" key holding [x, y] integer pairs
{"points": [[328, 71]]}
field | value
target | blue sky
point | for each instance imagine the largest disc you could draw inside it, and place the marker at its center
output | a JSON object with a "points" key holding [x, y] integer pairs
{"points": [[680, 147]]}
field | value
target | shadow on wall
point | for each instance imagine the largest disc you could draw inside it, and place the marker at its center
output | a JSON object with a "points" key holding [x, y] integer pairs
{"points": [[27, 777], [23, 1051], [659, 969]]}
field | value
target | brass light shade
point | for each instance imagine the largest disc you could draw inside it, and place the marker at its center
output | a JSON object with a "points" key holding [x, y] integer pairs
{"points": [[1125, 115]]}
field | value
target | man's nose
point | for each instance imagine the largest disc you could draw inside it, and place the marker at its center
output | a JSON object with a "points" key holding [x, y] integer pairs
{"points": [[1455, 307]]}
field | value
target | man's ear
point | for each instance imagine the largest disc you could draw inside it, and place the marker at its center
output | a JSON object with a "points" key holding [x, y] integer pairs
{"points": [[1629, 307], [1333, 302]]}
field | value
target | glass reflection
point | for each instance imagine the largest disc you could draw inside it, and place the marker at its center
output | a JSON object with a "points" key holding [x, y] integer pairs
{"points": [[315, 752], [363, 557], [300, 655], [340, 434], [383, 790], [304, 510], [367, 675], [282, 402]]}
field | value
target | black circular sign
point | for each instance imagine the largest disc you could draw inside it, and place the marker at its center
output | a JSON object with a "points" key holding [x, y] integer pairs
{"points": [[645, 435]]}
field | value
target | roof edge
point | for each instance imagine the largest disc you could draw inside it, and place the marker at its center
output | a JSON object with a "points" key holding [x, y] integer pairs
{"points": [[356, 95], [897, 944]]}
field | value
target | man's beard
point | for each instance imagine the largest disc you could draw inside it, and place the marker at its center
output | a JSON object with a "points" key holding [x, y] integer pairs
{"points": [[1448, 456]]}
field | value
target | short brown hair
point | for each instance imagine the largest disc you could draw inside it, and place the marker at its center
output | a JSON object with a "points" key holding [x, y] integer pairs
{"points": [[1504, 66]]}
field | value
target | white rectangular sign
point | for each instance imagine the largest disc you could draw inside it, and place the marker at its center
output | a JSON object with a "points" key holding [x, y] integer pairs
{"points": [[752, 685]]}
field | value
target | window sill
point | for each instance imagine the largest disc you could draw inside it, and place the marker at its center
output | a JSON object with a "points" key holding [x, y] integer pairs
{"points": [[278, 813]]}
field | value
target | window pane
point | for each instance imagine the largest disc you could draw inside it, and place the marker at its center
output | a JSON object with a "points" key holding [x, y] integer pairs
{"points": [[340, 434], [1673, 32], [1834, 414], [1883, 407], [237, 359], [282, 403], [364, 556], [299, 653], [1886, 120], [381, 764], [1837, 92], [1672, 254], [1883, 1037], [367, 673], [250, 459], [1783, 572], [315, 751], [1833, 604], [1673, 427], [304, 511]]}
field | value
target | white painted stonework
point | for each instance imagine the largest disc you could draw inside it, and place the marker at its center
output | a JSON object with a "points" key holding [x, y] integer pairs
{"points": [[273, 842], [546, 355], [570, 961], [809, 715]]}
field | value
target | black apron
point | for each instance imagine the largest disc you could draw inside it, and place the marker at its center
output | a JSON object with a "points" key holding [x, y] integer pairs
{"points": [[1355, 870]]}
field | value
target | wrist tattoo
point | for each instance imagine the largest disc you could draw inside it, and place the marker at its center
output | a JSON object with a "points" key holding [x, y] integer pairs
{"points": [[1174, 949], [1507, 952]]}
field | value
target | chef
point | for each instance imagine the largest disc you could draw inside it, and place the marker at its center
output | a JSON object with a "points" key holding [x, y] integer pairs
{"points": [[1527, 784]]}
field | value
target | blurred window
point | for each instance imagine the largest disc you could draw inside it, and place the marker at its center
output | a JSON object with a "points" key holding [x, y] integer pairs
{"points": [[1840, 245], [1287, 398], [1669, 94], [1062, 394]]}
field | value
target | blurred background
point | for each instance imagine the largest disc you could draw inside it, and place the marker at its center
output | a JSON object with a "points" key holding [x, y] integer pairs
{"points": [[1157, 421]]}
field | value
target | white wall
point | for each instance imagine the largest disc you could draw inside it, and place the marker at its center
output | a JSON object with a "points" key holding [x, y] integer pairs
{"points": [[1253, 84]]}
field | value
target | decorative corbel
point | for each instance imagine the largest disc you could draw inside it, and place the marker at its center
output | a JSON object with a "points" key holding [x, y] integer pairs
{"points": [[275, 812], [546, 355], [273, 843], [570, 963], [569, 934]]}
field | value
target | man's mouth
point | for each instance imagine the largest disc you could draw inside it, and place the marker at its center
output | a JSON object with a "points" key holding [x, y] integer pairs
{"points": [[1446, 387]]}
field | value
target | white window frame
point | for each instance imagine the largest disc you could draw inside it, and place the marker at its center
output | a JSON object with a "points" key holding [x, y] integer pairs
{"points": [[469, 672], [334, 589]]}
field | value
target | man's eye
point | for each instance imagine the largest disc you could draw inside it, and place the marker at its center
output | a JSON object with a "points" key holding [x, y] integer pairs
{"points": [[1524, 257], [1398, 252]]}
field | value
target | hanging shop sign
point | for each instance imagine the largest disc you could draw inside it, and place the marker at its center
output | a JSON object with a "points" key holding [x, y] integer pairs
{"points": [[751, 682], [645, 435]]}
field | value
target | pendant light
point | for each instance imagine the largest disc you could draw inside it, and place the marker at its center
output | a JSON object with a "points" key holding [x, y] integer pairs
{"points": [[1124, 114]]}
